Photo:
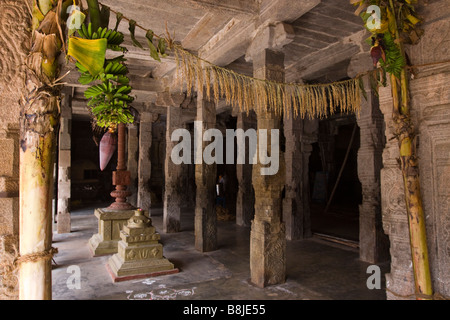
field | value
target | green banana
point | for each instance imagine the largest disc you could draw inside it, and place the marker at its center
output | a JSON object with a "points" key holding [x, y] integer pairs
{"points": [[85, 31], [103, 33], [108, 67], [107, 34]]}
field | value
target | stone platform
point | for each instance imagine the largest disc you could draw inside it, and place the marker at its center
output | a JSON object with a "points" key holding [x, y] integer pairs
{"points": [[110, 224]]}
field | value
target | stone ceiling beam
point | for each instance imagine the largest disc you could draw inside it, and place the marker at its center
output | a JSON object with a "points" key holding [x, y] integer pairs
{"points": [[249, 7], [272, 36], [232, 41], [204, 30], [323, 59], [285, 10], [228, 44]]}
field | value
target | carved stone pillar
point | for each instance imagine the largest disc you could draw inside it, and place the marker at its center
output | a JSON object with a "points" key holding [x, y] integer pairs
{"points": [[430, 102], [299, 134], [245, 200], [205, 180], [173, 175], [64, 164], [14, 49], [373, 242], [132, 161], [268, 234], [144, 161], [267, 237], [430, 113]]}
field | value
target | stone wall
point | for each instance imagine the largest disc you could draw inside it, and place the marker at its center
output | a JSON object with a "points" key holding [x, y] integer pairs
{"points": [[14, 46], [430, 104]]}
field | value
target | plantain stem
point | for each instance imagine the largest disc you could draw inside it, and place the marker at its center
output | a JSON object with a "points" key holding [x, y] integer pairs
{"points": [[94, 14]]}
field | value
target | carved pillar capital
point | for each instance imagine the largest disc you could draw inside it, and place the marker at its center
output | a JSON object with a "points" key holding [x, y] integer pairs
{"points": [[271, 35]]}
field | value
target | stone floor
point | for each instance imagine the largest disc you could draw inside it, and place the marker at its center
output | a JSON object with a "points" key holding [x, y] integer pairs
{"points": [[316, 269]]}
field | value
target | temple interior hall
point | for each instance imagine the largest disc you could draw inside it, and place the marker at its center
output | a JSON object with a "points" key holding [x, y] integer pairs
{"points": [[224, 186]]}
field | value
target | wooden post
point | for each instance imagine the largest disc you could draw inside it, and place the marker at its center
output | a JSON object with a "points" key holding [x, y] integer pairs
{"points": [[121, 177]]}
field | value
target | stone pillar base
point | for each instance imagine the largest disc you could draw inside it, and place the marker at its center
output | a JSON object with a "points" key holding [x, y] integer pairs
{"points": [[267, 253], [64, 224], [139, 255], [110, 223]]}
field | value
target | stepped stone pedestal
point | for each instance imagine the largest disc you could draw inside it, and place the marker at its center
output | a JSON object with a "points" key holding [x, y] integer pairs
{"points": [[110, 223], [140, 255]]}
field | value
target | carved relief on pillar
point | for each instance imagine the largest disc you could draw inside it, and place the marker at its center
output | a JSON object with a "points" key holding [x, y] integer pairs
{"points": [[400, 280], [268, 235], [15, 38], [430, 103], [374, 244], [15, 41], [245, 200], [205, 180], [300, 134], [132, 161], [144, 162], [434, 45], [172, 172]]}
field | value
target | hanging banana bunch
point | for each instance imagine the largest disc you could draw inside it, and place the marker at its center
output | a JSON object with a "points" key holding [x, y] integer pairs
{"points": [[110, 97]]}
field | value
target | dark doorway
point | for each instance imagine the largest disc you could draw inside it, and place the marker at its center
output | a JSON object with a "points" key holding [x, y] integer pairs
{"points": [[335, 188]]}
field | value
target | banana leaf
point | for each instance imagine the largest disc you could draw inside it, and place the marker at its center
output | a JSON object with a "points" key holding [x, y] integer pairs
{"points": [[89, 53], [94, 14], [105, 13], [132, 27]]}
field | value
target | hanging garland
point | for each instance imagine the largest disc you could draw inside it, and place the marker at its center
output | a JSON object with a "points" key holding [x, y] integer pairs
{"points": [[248, 93]]}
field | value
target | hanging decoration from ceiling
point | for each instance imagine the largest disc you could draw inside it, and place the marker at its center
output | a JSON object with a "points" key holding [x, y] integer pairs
{"points": [[248, 93]]}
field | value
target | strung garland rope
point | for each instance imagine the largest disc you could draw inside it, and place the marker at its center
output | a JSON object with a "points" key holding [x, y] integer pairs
{"points": [[248, 93]]}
